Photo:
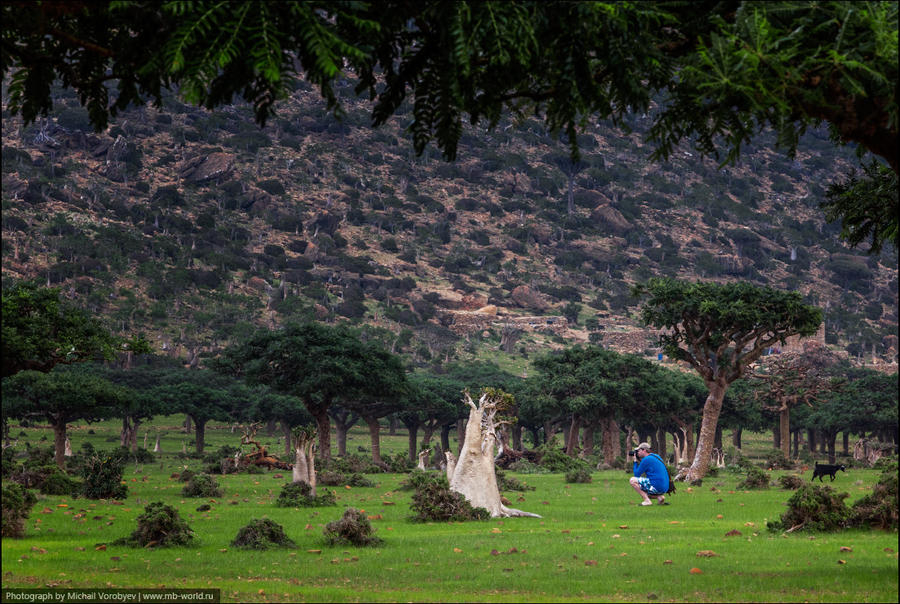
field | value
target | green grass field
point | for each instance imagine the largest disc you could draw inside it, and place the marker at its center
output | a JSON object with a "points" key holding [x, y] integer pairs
{"points": [[592, 544]]}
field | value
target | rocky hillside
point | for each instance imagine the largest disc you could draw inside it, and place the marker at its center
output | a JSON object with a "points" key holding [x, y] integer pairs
{"points": [[196, 227]]}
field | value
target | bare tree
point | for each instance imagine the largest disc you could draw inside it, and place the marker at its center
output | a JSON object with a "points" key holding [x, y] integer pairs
{"points": [[473, 475]]}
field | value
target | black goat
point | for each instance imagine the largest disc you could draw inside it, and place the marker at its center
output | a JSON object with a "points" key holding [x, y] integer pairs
{"points": [[822, 469]]}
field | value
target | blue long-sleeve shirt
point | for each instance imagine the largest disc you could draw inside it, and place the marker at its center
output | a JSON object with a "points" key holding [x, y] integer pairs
{"points": [[656, 471]]}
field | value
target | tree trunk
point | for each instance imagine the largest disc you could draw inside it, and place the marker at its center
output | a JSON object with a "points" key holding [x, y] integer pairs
{"points": [[304, 469], [516, 437], [59, 443], [609, 434], [784, 424], [445, 436], [830, 443], [412, 429], [323, 427], [200, 435], [711, 410], [375, 438], [474, 476], [587, 445], [846, 443], [736, 437], [574, 429], [661, 442], [811, 440]]}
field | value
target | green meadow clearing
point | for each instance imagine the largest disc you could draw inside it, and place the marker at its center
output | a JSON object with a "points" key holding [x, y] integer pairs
{"points": [[593, 543]]}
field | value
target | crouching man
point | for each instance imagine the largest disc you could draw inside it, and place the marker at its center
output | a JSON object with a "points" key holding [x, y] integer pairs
{"points": [[650, 475]]}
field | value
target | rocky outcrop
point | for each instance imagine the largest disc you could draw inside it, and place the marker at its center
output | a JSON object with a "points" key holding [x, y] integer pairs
{"points": [[204, 168], [525, 297], [611, 218]]}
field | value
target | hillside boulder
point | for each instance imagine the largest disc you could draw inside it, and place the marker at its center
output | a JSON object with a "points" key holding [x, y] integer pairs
{"points": [[525, 297], [611, 218], [204, 168]]}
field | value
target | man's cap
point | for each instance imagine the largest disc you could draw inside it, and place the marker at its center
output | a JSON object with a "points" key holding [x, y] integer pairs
{"points": [[644, 446]]}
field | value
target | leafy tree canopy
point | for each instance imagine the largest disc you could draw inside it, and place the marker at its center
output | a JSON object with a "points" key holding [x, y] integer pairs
{"points": [[725, 70], [41, 331], [719, 329]]}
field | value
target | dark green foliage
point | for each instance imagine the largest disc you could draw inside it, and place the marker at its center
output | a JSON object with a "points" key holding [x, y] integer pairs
{"points": [[160, 525], [262, 533], [756, 479], [777, 460], [299, 495], [557, 461], [17, 502], [202, 485], [103, 477], [336, 479], [814, 508], [879, 509], [352, 529], [398, 463], [790, 481], [578, 475], [272, 185], [509, 483], [60, 484], [434, 501], [351, 463]]}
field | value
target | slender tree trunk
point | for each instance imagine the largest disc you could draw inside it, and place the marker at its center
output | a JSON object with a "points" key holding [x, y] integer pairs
{"points": [[375, 437], [59, 443], [587, 446], [846, 442], [711, 410], [323, 427], [574, 429], [516, 432], [661, 442], [412, 429], [199, 435], [811, 440], [830, 445], [445, 436], [736, 437], [609, 434], [784, 424]]}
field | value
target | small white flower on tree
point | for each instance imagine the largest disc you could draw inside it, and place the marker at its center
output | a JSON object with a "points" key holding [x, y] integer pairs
{"points": [[473, 475]]}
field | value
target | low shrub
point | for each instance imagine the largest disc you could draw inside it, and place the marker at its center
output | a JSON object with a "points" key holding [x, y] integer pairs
{"points": [[879, 508], [348, 464], [398, 463], [790, 481], [777, 460], [756, 479], [434, 501], [102, 476], [299, 495], [523, 466], [17, 502], [336, 479], [352, 529], [262, 533], [60, 484], [160, 525], [578, 475], [202, 485], [557, 461], [509, 483], [815, 508]]}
